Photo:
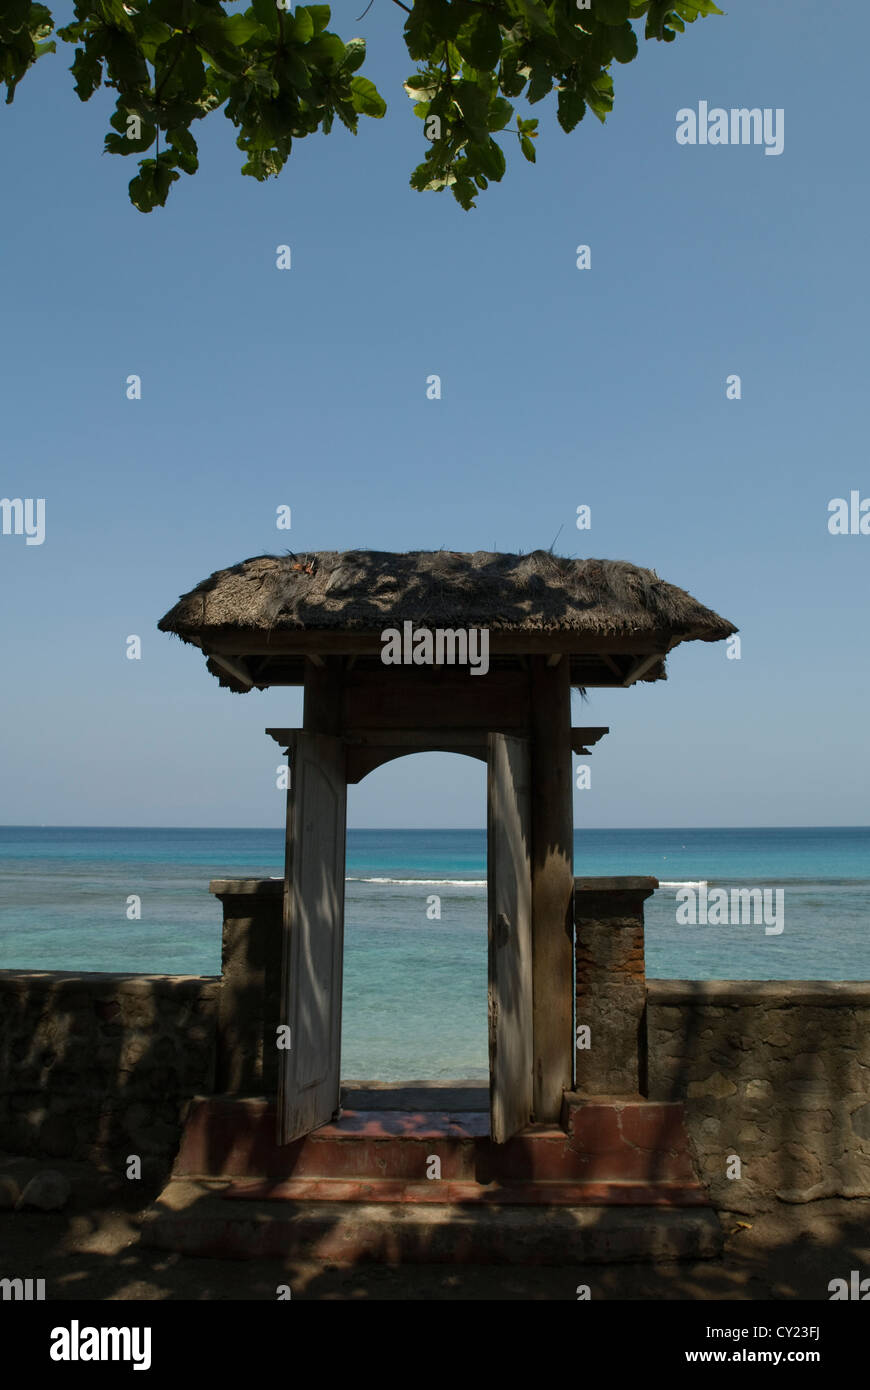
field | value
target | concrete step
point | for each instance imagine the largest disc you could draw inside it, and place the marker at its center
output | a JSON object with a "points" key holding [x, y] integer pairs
{"points": [[642, 1143], [632, 1139], [195, 1218], [519, 1193]]}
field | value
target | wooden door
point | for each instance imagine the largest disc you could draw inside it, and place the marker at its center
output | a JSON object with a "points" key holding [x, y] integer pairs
{"points": [[509, 893], [309, 1069]]}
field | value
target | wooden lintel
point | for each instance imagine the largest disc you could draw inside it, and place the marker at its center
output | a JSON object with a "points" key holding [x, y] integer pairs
{"points": [[422, 739], [428, 738], [275, 642]]}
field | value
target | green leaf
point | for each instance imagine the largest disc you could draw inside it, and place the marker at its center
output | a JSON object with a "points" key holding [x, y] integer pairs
{"points": [[511, 80], [186, 149], [420, 177], [151, 185], [419, 38], [267, 13], [125, 63], [15, 14], [474, 106], [121, 143], [537, 18], [366, 98], [151, 34], [325, 51], [500, 112], [320, 15], [611, 11], [263, 80], [464, 192], [354, 52], [527, 148], [540, 84], [690, 9], [488, 159], [570, 108], [623, 41], [87, 69], [444, 17], [291, 72], [479, 41], [302, 26], [238, 28]]}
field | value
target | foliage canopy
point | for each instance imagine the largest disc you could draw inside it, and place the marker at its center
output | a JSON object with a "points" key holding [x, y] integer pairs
{"points": [[279, 75]]}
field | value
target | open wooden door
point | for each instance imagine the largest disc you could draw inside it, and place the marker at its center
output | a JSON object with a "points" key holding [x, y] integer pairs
{"points": [[509, 893], [309, 1070]]}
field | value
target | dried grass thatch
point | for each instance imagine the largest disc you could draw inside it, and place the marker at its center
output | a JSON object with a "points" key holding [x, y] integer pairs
{"points": [[371, 589]]}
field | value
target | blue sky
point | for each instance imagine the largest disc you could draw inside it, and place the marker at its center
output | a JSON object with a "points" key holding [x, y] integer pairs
{"points": [[560, 387]]}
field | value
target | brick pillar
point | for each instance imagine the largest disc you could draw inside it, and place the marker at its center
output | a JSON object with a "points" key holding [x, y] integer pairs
{"points": [[250, 984], [611, 984]]}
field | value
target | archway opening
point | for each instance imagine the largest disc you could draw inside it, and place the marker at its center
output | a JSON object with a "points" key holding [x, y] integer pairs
{"points": [[414, 996]]}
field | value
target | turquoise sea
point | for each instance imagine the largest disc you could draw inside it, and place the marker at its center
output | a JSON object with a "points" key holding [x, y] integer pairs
{"points": [[415, 987]]}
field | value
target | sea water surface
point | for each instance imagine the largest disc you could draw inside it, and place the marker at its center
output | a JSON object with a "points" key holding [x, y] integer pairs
{"points": [[415, 982]]}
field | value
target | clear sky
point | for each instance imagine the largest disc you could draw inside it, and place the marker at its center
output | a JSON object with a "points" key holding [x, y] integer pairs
{"points": [[307, 388]]}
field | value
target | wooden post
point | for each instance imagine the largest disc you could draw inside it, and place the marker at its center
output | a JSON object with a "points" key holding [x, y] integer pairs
{"points": [[322, 711], [552, 886]]}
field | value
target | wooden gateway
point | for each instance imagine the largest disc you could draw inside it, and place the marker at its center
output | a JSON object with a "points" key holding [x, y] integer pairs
{"points": [[438, 651]]}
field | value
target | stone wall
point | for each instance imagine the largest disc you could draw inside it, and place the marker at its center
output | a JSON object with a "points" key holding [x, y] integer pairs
{"points": [[776, 1073], [102, 1065]]}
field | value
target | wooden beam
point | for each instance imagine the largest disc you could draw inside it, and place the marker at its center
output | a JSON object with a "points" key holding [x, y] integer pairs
{"points": [[421, 739], [581, 737], [608, 661], [552, 887], [322, 705], [554, 658], [325, 641], [427, 697], [234, 666], [317, 659], [284, 737], [641, 667]]}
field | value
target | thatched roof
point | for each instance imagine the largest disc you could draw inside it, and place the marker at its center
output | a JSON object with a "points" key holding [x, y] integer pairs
{"points": [[272, 604]]}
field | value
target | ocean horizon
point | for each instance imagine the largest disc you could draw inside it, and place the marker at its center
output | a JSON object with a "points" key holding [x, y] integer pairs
{"points": [[415, 983]]}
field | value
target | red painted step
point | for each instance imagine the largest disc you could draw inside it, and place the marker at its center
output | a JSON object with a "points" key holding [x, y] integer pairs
{"points": [[626, 1150], [614, 1182]]}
